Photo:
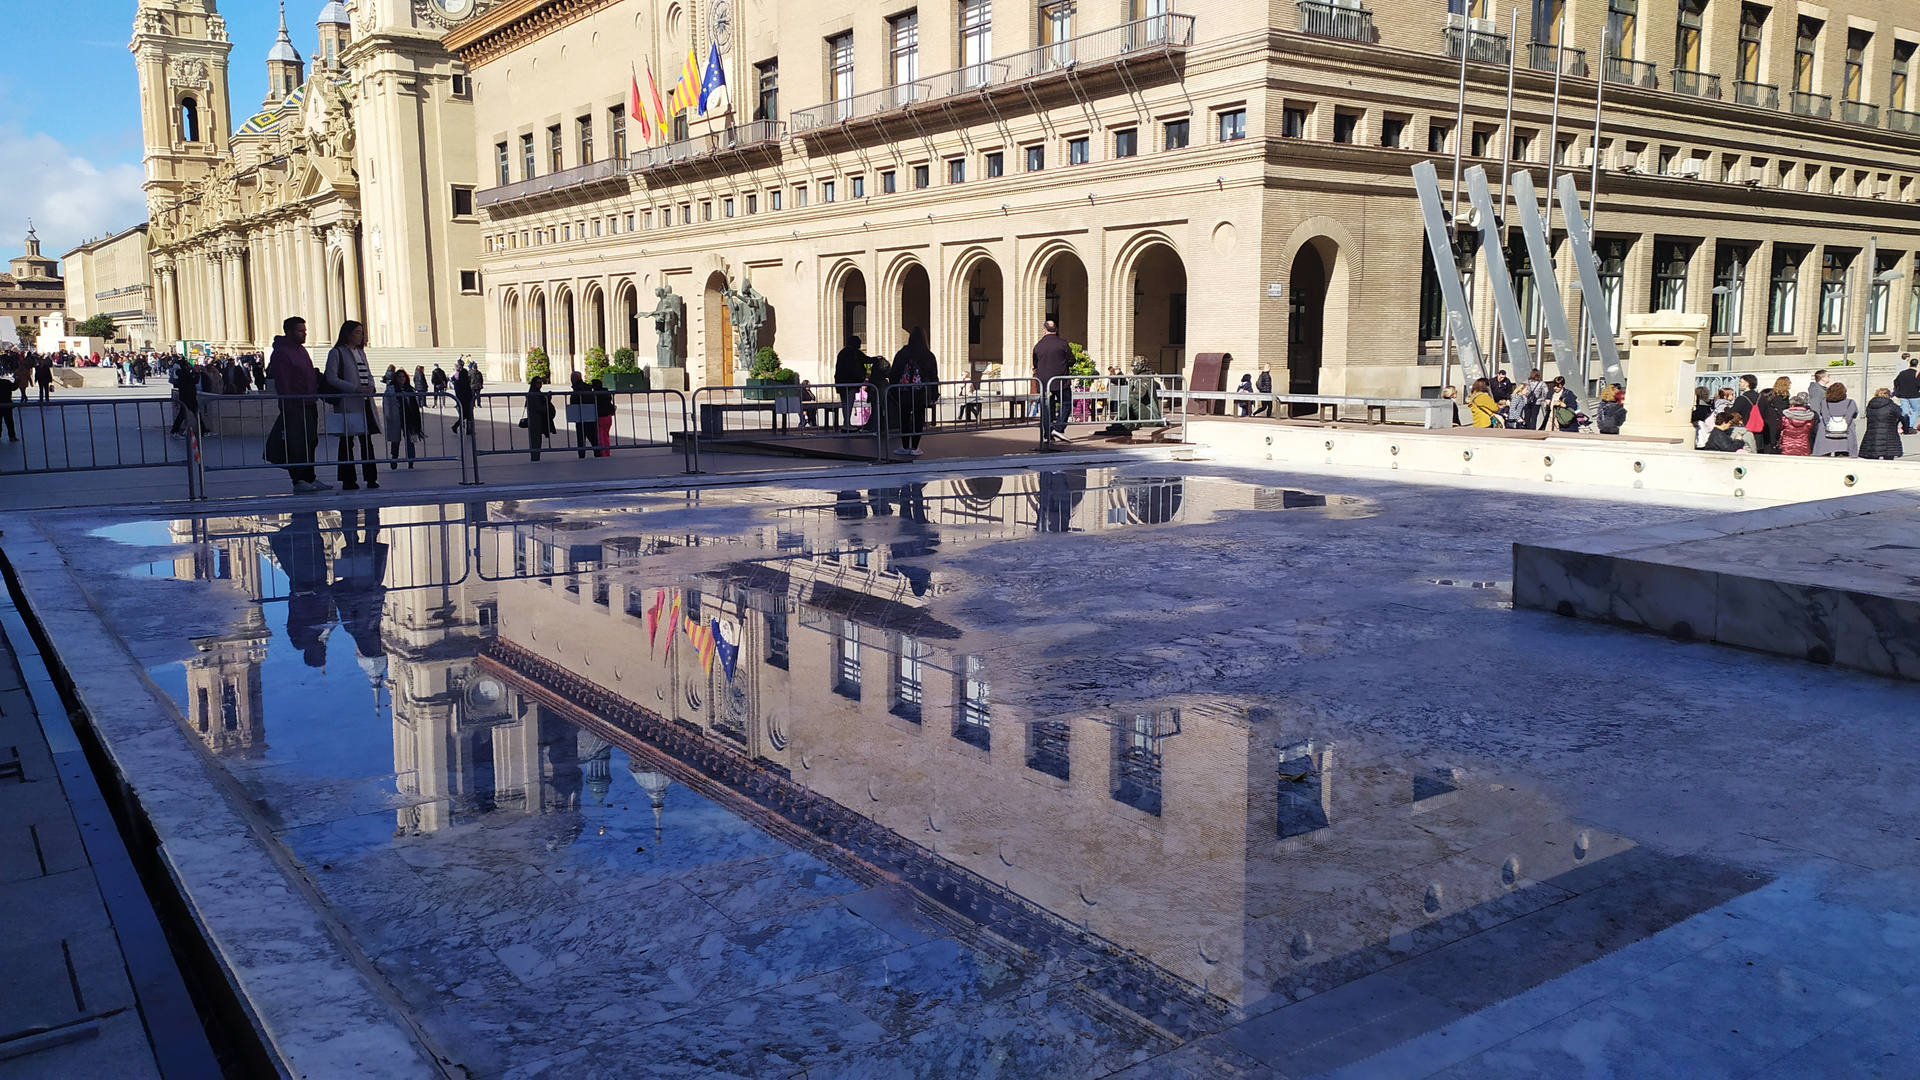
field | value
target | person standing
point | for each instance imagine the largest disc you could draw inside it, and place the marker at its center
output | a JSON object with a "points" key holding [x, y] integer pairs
{"points": [[1052, 360], [849, 371], [604, 411], [540, 418], [43, 377], [1244, 408], [6, 405], [580, 406], [1264, 386], [348, 375], [395, 403], [1906, 394], [916, 377], [296, 385], [1481, 403], [1796, 428], [1817, 389], [1537, 393], [439, 382], [1882, 440], [1833, 436], [463, 398], [1613, 412]]}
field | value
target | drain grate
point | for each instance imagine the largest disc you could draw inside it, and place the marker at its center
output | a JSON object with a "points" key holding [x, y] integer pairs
{"points": [[1463, 583]]}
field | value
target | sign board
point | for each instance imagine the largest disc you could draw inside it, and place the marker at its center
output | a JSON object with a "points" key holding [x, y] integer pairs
{"points": [[197, 352], [1276, 290]]}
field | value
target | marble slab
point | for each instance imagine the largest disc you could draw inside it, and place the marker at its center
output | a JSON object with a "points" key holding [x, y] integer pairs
{"points": [[1835, 581]]}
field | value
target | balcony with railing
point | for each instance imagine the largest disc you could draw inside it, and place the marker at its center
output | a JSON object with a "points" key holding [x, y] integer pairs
{"points": [[1340, 19], [758, 135], [1902, 120], [1859, 112], [1805, 104], [1112, 48], [1542, 57], [1481, 39], [1759, 95], [610, 172], [1639, 73], [1694, 83]]}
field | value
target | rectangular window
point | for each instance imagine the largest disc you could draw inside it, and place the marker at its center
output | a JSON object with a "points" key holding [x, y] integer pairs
{"points": [[462, 201], [1233, 125], [1613, 267], [773, 200], [1525, 287], [583, 138], [526, 157], [1686, 35], [555, 150], [1126, 143], [1048, 745], [1437, 138], [957, 171], [846, 661], [1174, 135], [617, 132], [1806, 40], [1902, 65], [1079, 151], [1482, 143], [922, 177], [1345, 125], [1783, 297], [1752, 19], [996, 164], [1880, 293], [800, 196], [1729, 289], [976, 41], [1391, 129], [1855, 79], [726, 208], [753, 204], [903, 33], [857, 185], [1622, 19], [1137, 768], [686, 213], [975, 714], [777, 645], [766, 105], [827, 191], [502, 168], [1834, 267], [887, 183], [908, 673], [1913, 297], [596, 227], [566, 232], [840, 73], [1670, 261], [1036, 158], [469, 281], [462, 85]]}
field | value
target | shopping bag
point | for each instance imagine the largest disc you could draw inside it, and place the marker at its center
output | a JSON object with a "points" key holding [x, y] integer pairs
{"points": [[583, 414], [276, 449], [351, 420]]}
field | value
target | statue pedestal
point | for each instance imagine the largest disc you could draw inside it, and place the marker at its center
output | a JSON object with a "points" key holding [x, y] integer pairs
{"points": [[667, 378], [1664, 354]]}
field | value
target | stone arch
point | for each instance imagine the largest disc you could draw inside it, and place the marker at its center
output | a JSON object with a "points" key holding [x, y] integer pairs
{"points": [[1056, 284], [847, 306], [627, 305], [1148, 291], [975, 324], [717, 331], [512, 327], [905, 301], [1333, 248], [593, 318], [566, 332], [537, 322]]}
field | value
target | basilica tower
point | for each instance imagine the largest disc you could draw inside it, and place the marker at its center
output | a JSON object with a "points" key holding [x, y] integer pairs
{"points": [[180, 49], [285, 70]]}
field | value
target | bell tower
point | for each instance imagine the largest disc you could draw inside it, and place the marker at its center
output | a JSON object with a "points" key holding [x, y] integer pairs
{"points": [[285, 70], [336, 31], [180, 49]]}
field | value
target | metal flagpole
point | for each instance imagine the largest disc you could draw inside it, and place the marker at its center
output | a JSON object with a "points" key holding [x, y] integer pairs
{"points": [[1553, 151], [1866, 324], [1593, 205], [1506, 165], [1453, 212]]}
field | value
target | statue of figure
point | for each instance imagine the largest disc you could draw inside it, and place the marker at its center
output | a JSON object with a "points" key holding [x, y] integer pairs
{"points": [[668, 316], [1143, 399], [748, 311]]}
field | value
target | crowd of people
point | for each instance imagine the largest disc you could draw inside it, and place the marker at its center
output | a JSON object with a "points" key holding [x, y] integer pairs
{"points": [[1819, 421]]}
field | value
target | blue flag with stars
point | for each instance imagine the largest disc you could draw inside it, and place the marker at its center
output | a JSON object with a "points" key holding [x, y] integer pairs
{"points": [[713, 85]]}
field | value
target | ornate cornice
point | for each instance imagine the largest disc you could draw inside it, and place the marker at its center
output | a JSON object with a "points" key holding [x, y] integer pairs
{"points": [[508, 26]]}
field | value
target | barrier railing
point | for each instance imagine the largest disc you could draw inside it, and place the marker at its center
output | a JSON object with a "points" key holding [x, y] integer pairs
{"points": [[640, 420], [1132, 400], [956, 406], [732, 414], [80, 436], [1435, 413]]}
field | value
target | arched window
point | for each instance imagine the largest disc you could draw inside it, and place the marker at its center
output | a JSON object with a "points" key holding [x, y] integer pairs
{"points": [[189, 120]]}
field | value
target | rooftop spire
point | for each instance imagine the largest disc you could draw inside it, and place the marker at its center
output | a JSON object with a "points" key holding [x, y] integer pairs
{"points": [[283, 49]]}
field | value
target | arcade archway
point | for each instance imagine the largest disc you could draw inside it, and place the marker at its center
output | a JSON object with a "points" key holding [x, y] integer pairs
{"points": [[717, 332], [1159, 297], [1063, 289]]}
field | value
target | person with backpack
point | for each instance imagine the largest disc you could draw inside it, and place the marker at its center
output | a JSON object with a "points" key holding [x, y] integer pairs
{"points": [[1563, 409], [1612, 412], [1833, 437], [1906, 394], [916, 378]]}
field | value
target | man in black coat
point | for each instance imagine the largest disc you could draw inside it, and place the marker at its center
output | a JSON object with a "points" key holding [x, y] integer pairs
{"points": [[1906, 392], [1052, 359], [849, 370]]}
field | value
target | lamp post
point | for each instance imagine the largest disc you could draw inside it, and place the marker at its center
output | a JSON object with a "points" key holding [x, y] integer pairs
{"points": [[1874, 281], [1725, 292]]}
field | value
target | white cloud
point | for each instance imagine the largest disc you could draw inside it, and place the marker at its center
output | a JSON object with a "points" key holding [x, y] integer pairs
{"points": [[70, 199]]}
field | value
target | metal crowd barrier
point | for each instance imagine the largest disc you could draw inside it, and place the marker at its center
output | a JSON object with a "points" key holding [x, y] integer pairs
{"points": [[736, 414], [79, 436], [642, 420], [959, 406], [1137, 400], [1435, 412]]}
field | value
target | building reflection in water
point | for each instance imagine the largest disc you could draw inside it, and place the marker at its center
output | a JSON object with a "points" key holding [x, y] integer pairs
{"points": [[809, 674]]}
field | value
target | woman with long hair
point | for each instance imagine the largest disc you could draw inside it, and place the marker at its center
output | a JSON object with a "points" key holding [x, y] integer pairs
{"points": [[540, 417], [349, 377]]}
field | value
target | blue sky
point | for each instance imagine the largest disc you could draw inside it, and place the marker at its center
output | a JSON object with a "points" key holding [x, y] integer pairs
{"points": [[70, 119]]}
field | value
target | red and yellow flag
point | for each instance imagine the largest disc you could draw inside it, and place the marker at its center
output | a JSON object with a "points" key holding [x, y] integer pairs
{"points": [[638, 110]]}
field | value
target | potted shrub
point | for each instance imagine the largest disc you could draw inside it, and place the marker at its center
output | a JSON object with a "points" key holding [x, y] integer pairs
{"points": [[537, 366], [769, 379], [624, 372], [596, 363]]}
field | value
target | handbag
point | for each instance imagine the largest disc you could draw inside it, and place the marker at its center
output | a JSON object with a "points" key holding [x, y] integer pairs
{"points": [[1756, 422], [1562, 415], [582, 414], [275, 451], [345, 422]]}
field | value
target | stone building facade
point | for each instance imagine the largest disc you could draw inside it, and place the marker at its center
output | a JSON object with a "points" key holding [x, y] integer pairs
{"points": [[1174, 178], [347, 195], [114, 276], [31, 289]]}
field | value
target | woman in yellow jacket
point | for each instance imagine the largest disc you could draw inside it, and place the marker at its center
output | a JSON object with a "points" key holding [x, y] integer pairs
{"points": [[1486, 411]]}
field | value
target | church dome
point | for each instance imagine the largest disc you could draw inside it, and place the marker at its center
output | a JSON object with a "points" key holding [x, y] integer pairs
{"points": [[283, 50], [335, 14]]}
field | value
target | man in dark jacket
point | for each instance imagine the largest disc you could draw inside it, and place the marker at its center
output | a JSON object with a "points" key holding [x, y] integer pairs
{"points": [[1052, 359], [6, 405], [1264, 385], [849, 371], [298, 386], [1906, 393]]}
